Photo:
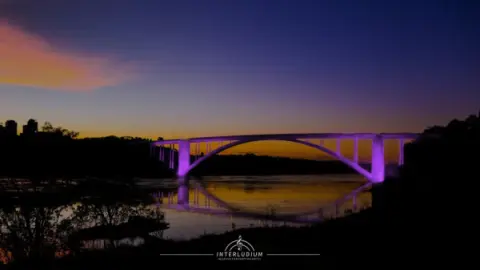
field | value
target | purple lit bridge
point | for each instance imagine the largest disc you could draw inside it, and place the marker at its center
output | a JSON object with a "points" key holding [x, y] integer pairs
{"points": [[183, 155]]}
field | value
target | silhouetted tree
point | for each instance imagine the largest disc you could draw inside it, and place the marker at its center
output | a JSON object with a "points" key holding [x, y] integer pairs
{"points": [[437, 184], [33, 227], [38, 220], [49, 128]]}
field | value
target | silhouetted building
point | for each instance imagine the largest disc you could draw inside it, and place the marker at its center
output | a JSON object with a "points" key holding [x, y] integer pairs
{"points": [[11, 127], [31, 127]]}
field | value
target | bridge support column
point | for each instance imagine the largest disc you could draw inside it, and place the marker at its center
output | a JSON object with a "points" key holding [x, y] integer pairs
{"points": [[182, 172], [378, 175], [378, 159]]}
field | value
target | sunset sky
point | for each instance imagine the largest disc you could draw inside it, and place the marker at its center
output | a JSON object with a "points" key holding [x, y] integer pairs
{"points": [[186, 68]]}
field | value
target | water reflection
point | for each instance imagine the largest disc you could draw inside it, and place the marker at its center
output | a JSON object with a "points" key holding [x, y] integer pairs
{"points": [[50, 218], [46, 219], [281, 194]]}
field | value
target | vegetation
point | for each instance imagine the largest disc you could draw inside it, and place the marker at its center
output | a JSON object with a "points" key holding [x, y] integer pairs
{"points": [[439, 166], [44, 220], [58, 152], [407, 220]]}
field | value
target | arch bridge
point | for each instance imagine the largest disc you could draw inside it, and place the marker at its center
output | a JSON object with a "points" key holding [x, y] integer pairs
{"points": [[183, 155]]}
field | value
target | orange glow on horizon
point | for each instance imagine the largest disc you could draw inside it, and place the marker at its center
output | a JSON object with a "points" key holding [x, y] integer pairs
{"points": [[295, 150], [287, 149], [29, 60]]}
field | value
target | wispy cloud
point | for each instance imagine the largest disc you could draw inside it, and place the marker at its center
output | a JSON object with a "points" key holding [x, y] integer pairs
{"points": [[29, 60]]}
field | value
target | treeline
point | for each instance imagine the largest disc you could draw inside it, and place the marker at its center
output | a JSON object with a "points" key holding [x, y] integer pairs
{"points": [[58, 152], [436, 190], [55, 152]]}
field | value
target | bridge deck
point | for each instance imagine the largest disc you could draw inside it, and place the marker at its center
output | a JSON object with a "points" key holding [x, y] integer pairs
{"points": [[296, 136]]}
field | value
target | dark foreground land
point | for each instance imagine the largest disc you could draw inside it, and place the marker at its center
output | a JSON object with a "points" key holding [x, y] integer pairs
{"points": [[424, 217], [280, 240], [352, 241]]}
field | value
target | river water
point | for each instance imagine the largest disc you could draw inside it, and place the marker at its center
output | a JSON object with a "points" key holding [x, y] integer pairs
{"points": [[261, 194], [284, 194]]}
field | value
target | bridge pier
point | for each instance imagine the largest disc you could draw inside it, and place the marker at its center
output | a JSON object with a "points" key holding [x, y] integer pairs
{"points": [[182, 172], [376, 174], [378, 160]]}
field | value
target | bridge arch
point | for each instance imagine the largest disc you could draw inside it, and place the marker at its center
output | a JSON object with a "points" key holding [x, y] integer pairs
{"points": [[325, 150]]}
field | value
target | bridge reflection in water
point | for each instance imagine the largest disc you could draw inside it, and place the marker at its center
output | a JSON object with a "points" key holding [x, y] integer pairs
{"points": [[183, 160], [183, 155], [262, 198]]}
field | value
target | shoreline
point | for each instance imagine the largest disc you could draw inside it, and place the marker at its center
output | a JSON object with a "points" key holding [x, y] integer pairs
{"points": [[326, 239]]}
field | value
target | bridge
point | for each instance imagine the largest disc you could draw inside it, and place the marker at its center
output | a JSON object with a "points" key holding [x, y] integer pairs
{"points": [[183, 155]]}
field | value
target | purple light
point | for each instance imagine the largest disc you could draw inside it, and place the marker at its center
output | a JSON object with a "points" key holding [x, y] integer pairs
{"points": [[378, 160], [182, 171], [377, 174]]}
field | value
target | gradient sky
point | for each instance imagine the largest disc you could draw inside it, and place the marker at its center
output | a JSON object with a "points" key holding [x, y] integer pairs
{"points": [[185, 68]]}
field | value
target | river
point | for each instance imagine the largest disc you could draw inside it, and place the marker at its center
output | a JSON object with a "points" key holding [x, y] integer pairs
{"points": [[284, 194], [261, 194]]}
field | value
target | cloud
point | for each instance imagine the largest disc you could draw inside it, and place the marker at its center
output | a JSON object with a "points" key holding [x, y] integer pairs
{"points": [[28, 60]]}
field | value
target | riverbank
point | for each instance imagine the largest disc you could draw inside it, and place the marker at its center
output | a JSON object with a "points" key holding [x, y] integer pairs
{"points": [[350, 236], [324, 243], [354, 240], [359, 240]]}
